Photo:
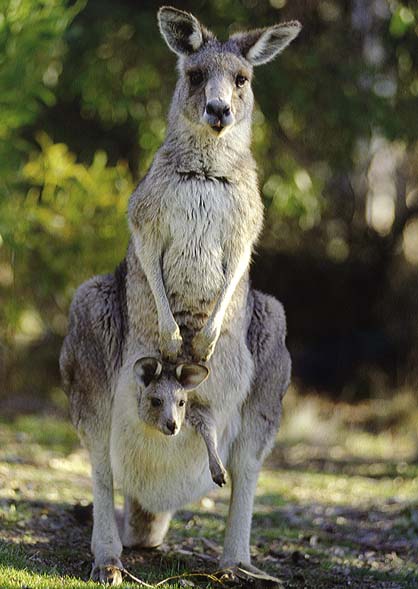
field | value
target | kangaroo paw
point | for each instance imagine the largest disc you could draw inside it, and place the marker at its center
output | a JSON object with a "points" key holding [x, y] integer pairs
{"points": [[219, 477]]}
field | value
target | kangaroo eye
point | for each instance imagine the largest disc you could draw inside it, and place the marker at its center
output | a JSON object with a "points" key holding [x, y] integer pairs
{"points": [[156, 402], [240, 81], [196, 77], [181, 403]]}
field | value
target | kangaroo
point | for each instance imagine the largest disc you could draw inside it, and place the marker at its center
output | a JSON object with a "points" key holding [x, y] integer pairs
{"points": [[183, 292], [164, 405]]}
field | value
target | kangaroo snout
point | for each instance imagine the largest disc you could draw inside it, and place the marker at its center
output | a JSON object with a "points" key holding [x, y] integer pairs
{"points": [[171, 426], [218, 114]]}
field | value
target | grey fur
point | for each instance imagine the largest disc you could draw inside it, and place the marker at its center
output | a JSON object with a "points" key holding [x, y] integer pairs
{"points": [[183, 291]]}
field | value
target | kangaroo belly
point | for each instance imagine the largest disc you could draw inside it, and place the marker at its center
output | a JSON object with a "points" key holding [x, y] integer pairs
{"points": [[192, 285]]}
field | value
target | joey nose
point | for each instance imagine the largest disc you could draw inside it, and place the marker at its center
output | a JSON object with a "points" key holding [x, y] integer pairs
{"points": [[171, 425]]}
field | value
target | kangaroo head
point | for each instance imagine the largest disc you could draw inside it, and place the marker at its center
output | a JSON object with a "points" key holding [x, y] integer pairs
{"points": [[214, 92], [163, 389]]}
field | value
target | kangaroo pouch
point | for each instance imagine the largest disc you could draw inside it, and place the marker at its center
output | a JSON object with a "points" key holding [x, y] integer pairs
{"points": [[165, 472]]}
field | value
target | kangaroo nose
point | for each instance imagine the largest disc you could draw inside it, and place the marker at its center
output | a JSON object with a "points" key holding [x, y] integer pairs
{"points": [[171, 425], [218, 114], [218, 108]]}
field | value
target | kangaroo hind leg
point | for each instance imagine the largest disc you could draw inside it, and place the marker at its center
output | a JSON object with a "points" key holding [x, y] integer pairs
{"points": [[142, 528]]}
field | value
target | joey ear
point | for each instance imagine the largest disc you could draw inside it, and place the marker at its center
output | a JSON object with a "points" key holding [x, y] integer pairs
{"points": [[262, 45], [190, 376], [146, 369], [182, 32]]}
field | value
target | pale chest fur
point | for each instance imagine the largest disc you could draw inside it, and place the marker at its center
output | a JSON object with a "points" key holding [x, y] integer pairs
{"points": [[195, 228], [198, 219]]}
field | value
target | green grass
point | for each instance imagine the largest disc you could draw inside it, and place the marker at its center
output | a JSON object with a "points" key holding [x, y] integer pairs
{"points": [[336, 506]]}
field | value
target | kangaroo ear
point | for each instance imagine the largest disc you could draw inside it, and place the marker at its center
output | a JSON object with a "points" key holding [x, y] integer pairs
{"points": [[146, 369], [190, 376], [181, 30], [262, 45]]}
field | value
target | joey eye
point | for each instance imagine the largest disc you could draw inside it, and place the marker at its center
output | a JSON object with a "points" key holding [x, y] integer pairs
{"points": [[240, 81], [156, 402], [181, 403], [196, 77]]}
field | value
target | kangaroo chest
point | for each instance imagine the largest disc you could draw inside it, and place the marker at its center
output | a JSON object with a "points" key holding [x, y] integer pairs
{"points": [[198, 220]]}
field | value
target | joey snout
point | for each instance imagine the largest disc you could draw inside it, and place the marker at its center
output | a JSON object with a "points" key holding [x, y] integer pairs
{"points": [[168, 416], [170, 427]]}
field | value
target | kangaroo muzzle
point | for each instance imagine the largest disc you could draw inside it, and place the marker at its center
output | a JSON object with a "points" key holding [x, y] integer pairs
{"points": [[218, 114], [171, 427]]}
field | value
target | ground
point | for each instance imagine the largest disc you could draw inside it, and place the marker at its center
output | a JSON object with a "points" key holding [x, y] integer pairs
{"points": [[336, 507]]}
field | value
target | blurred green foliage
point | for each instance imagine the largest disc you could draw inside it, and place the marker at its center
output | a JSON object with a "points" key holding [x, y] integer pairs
{"points": [[32, 50], [84, 91]]}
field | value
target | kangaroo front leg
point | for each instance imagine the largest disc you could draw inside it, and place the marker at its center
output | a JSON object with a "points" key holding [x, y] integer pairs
{"points": [[204, 342], [149, 252], [105, 543]]}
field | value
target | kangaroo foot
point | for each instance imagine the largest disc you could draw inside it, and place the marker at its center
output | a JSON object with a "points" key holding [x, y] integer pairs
{"points": [[245, 572], [109, 572]]}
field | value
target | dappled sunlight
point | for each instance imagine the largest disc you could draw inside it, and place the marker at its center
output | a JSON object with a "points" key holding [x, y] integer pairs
{"points": [[322, 512], [336, 488], [380, 429]]}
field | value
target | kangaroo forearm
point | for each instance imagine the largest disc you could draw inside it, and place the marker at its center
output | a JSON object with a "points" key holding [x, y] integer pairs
{"points": [[234, 272], [149, 255], [205, 340]]}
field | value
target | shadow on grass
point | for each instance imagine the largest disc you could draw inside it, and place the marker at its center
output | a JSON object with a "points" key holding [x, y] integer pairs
{"points": [[54, 538], [310, 545], [321, 545]]}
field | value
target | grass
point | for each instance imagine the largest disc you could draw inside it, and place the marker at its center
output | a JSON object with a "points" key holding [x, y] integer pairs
{"points": [[336, 505]]}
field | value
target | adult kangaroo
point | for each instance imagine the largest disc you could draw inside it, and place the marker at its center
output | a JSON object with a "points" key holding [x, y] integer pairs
{"points": [[183, 293]]}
